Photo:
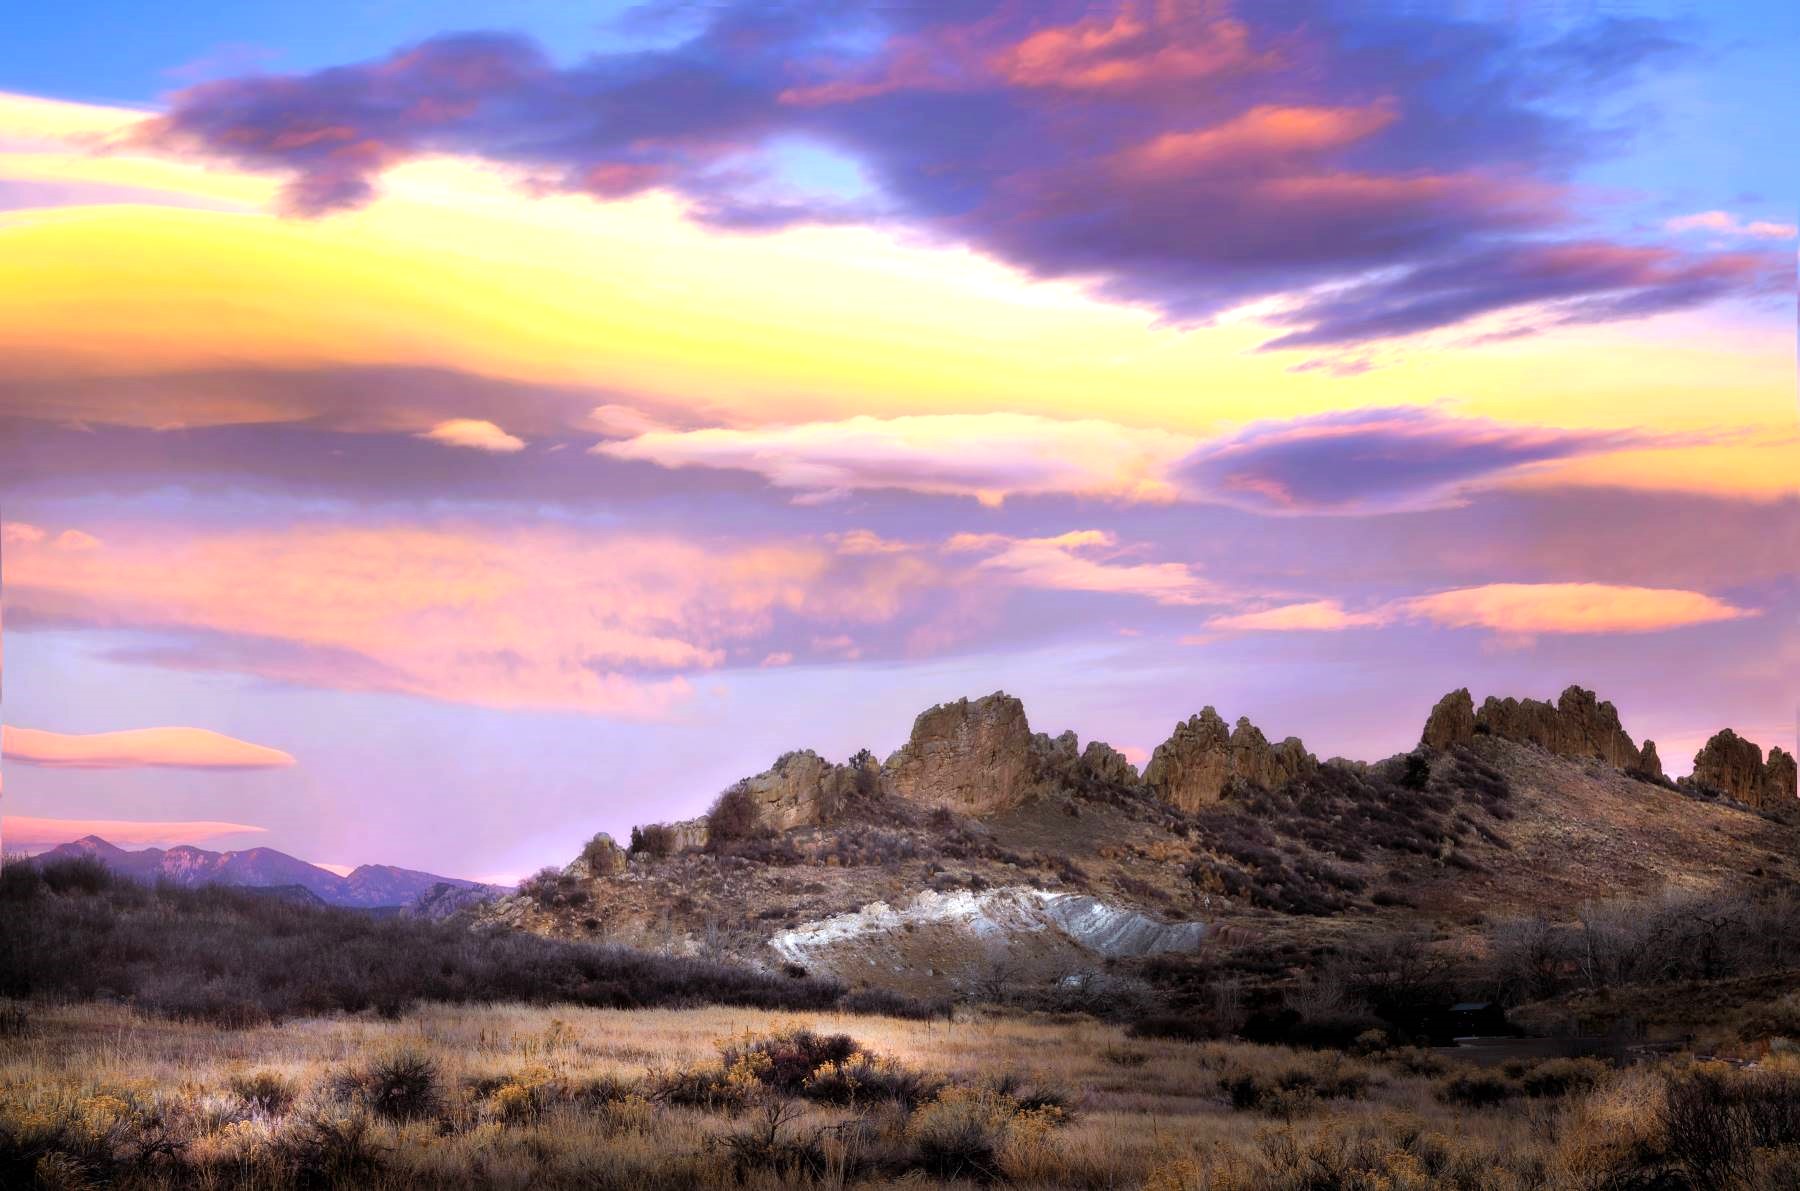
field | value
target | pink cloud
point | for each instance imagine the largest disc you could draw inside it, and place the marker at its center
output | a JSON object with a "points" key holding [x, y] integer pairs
{"points": [[550, 618], [1256, 138], [1511, 610], [1726, 224], [1314, 616], [1128, 51], [474, 434], [1085, 560], [22, 833], [138, 748]]}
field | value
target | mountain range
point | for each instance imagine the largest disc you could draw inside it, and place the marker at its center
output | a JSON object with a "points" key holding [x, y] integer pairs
{"points": [[369, 886]]}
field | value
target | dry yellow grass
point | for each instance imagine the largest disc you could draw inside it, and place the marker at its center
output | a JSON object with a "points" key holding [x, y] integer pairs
{"points": [[567, 1097]]}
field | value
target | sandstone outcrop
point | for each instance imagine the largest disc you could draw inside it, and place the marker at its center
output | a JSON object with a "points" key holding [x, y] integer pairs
{"points": [[977, 757], [802, 789], [1193, 767], [1578, 725], [1733, 766], [1451, 722], [1649, 764], [1105, 763]]}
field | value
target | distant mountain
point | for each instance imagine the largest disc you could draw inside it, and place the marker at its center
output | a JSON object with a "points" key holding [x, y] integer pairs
{"points": [[367, 887]]}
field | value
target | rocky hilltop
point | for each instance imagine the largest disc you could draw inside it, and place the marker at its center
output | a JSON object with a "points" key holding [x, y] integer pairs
{"points": [[1734, 767], [1578, 725], [980, 843]]}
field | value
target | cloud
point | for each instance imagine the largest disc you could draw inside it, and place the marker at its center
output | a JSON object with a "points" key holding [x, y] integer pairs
{"points": [[26, 834], [1377, 460], [138, 748], [1085, 560], [1530, 608], [1509, 609], [989, 456], [1724, 223], [1313, 616], [474, 434], [1192, 157], [18, 533], [606, 622], [1549, 284]]}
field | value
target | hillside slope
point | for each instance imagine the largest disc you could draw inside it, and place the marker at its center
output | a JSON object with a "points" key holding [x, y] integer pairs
{"points": [[982, 851]]}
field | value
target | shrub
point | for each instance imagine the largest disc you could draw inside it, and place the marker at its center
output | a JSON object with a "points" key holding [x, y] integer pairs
{"points": [[76, 874], [327, 1149], [402, 1086], [886, 1002], [283, 959], [1716, 1120], [553, 889], [733, 817], [865, 1079], [656, 840], [763, 1149], [267, 1092], [1476, 1089], [785, 1059], [602, 855], [1562, 1077], [1287, 1089]]}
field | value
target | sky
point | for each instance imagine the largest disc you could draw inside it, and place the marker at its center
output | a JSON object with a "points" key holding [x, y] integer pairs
{"points": [[433, 433]]}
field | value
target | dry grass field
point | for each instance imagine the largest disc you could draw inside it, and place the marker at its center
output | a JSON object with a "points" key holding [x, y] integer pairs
{"points": [[516, 1097]]}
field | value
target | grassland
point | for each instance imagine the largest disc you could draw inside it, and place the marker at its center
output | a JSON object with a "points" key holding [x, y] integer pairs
{"points": [[517, 1096]]}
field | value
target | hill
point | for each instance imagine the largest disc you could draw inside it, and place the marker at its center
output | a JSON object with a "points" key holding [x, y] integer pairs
{"points": [[983, 855], [370, 886]]}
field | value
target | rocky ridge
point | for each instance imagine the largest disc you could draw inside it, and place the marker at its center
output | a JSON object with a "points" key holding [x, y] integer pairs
{"points": [[1579, 725], [1734, 767]]}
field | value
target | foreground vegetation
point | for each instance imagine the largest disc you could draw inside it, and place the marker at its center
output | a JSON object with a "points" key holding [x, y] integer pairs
{"points": [[514, 1096], [72, 931]]}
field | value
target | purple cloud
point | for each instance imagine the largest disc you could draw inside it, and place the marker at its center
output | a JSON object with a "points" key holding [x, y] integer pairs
{"points": [[1184, 156], [1375, 460]]}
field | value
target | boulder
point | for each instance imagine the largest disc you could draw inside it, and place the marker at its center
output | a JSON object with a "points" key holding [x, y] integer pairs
{"points": [[1201, 757], [976, 757], [1451, 722], [1734, 767]]}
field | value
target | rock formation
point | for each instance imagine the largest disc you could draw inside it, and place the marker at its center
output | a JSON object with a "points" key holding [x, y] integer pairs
{"points": [[1193, 767], [1452, 721], [802, 789], [1105, 763], [1578, 725], [975, 757], [1733, 766], [1649, 764]]}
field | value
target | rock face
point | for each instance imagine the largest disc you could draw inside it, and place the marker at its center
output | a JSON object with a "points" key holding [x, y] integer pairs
{"points": [[803, 789], [1106, 763], [975, 757], [1649, 764], [1734, 767], [1193, 767], [1578, 725], [1452, 721]]}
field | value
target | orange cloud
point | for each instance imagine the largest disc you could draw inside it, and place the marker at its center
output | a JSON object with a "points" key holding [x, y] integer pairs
{"points": [[1528, 608], [163, 748], [23, 833], [475, 434]]}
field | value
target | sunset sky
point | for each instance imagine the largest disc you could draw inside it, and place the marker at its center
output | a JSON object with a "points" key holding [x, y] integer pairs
{"points": [[431, 433]]}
